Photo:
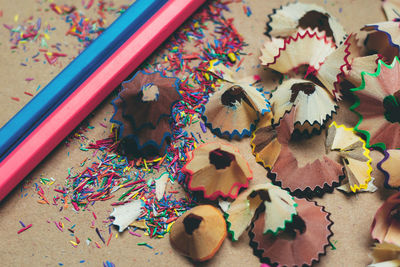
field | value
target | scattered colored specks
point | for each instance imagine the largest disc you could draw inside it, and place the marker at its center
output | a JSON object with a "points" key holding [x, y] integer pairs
{"points": [[144, 244], [108, 264], [24, 228], [247, 10], [333, 243], [27, 93]]}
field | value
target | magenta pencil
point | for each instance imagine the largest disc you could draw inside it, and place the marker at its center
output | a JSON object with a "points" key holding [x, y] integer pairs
{"points": [[94, 90]]}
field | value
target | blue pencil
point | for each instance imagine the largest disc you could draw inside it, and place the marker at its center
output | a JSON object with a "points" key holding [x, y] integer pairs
{"points": [[25, 121]]}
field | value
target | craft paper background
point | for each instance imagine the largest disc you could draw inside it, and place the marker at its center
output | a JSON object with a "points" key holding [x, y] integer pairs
{"points": [[44, 245]]}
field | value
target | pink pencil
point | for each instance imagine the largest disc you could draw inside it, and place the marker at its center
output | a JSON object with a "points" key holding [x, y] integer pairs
{"points": [[94, 90]]}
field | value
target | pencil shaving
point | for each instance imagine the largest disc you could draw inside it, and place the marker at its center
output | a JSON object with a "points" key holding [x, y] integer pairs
{"points": [[279, 209], [285, 21], [256, 98], [161, 183], [264, 142], [314, 176], [301, 243], [378, 106], [383, 38], [312, 105], [142, 111], [217, 169], [331, 72], [385, 255], [390, 167], [386, 224], [354, 155], [126, 214], [147, 97], [234, 109], [305, 47], [199, 233]]}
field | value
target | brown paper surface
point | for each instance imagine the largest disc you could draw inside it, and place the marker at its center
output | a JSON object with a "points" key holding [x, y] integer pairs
{"points": [[44, 245]]}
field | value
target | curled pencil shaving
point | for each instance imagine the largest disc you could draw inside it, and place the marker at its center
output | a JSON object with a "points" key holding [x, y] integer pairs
{"points": [[386, 224], [331, 73], [390, 167], [217, 169], [142, 111], [279, 209], [199, 233], [147, 97], [345, 187], [305, 47], [329, 65], [378, 106], [357, 61], [326, 63], [234, 109], [286, 20], [302, 242], [264, 142], [254, 96], [311, 104], [385, 255], [314, 97], [360, 64], [317, 174], [384, 39], [353, 153]]}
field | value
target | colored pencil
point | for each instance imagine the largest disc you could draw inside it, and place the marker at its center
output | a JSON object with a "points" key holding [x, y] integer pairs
{"points": [[17, 128], [97, 87]]}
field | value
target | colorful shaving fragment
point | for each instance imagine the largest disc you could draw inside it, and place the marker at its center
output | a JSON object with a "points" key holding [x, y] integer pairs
{"points": [[378, 106], [385, 226], [383, 38], [284, 21], [24, 228], [279, 205], [291, 247], [217, 170], [272, 147], [234, 109], [29, 30], [265, 152], [142, 111], [389, 166], [313, 98], [354, 155]]}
